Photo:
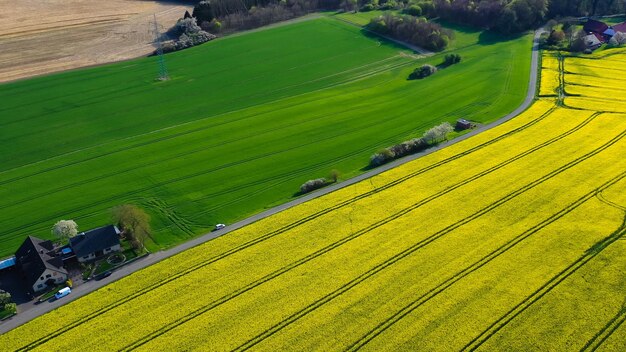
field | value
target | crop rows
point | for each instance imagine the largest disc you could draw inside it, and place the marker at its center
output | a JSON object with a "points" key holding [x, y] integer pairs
{"points": [[550, 75], [490, 243], [200, 253], [271, 110]]}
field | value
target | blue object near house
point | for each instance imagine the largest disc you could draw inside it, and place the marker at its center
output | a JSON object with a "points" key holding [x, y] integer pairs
{"points": [[7, 263], [609, 32]]}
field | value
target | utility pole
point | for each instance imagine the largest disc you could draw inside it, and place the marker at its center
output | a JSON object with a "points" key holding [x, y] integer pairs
{"points": [[163, 76]]}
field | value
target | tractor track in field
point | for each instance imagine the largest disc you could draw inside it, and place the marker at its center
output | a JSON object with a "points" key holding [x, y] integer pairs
{"points": [[530, 96], [407, 309], [176, 135], [24, 227], [372, 72], [591, 253], [137, 191], [606, 331], [385, 221], [259, 338], [285, 229]]}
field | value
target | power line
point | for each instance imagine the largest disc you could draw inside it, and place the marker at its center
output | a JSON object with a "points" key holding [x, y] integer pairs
{"points": [[163, 76]]}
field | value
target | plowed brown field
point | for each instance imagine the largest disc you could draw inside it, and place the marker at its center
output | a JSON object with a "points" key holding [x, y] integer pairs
{"points": [[44, 36]]}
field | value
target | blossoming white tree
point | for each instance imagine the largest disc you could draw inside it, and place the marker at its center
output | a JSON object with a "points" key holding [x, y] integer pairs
{"points": [[65, 229]]}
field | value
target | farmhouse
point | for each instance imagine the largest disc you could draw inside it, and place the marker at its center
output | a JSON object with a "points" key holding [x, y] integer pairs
{"points": [[96, 243], [38, 264], [592, 41]]}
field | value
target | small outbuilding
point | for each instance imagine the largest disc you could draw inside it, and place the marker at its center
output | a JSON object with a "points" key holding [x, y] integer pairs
{"points": [[609, 32], [96, 243], [463, 124]]}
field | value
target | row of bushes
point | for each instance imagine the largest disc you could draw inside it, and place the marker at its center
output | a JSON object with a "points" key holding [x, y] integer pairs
{"points": [[317, 183], [428, 70], [431, 137], [413, 30]]}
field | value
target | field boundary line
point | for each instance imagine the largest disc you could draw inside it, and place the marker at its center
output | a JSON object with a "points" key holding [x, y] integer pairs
{"points": [[156, 257], [305, 220], [422, 243]]}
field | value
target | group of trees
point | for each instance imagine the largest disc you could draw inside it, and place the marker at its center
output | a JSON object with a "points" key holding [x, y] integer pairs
{"points": [[414, 30], [423, 71], [505, 16], [246, 14], [429, 70], [132, 220], [134, 223], [188, 33], [432, 136], [577, 8], [511, 16]]}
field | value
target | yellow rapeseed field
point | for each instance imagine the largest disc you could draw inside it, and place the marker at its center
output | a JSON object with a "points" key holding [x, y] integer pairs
{"points": [[509, 240], [550, 75], [596, 82]]}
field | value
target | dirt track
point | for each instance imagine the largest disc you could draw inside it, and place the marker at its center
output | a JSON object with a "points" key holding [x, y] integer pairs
{"points": [[45, 36]]}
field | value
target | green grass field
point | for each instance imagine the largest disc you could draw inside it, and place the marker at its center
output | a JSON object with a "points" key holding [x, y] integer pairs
{"points": [[242, 123]]}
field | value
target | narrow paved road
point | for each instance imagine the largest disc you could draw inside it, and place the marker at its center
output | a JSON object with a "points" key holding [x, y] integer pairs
{"points": [[31, 311]]}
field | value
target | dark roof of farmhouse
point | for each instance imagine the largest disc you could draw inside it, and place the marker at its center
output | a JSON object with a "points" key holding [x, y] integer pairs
{"points": [[35, 256], [94, 240], [595, 26]]}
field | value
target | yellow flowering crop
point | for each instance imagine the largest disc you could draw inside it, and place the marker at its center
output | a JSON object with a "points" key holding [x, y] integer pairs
{"points": [[550, 75], [499, 241]]}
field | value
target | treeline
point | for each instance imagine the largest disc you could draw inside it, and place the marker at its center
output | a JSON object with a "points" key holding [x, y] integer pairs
{"points": [[511, 16], [561, 8], [231, 15], [414, 30], [504, 16]]}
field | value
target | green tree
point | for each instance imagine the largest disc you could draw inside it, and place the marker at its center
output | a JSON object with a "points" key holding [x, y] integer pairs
{"points": [[203, 12], [135, 223]]}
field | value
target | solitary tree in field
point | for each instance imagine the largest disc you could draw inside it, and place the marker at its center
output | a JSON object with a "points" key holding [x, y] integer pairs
{"points": [[334, 175], [135, 223], [65, 229]]}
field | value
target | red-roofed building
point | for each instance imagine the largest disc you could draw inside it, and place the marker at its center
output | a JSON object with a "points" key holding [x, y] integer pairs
{"points": [[620, 27], [593, 26]]}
